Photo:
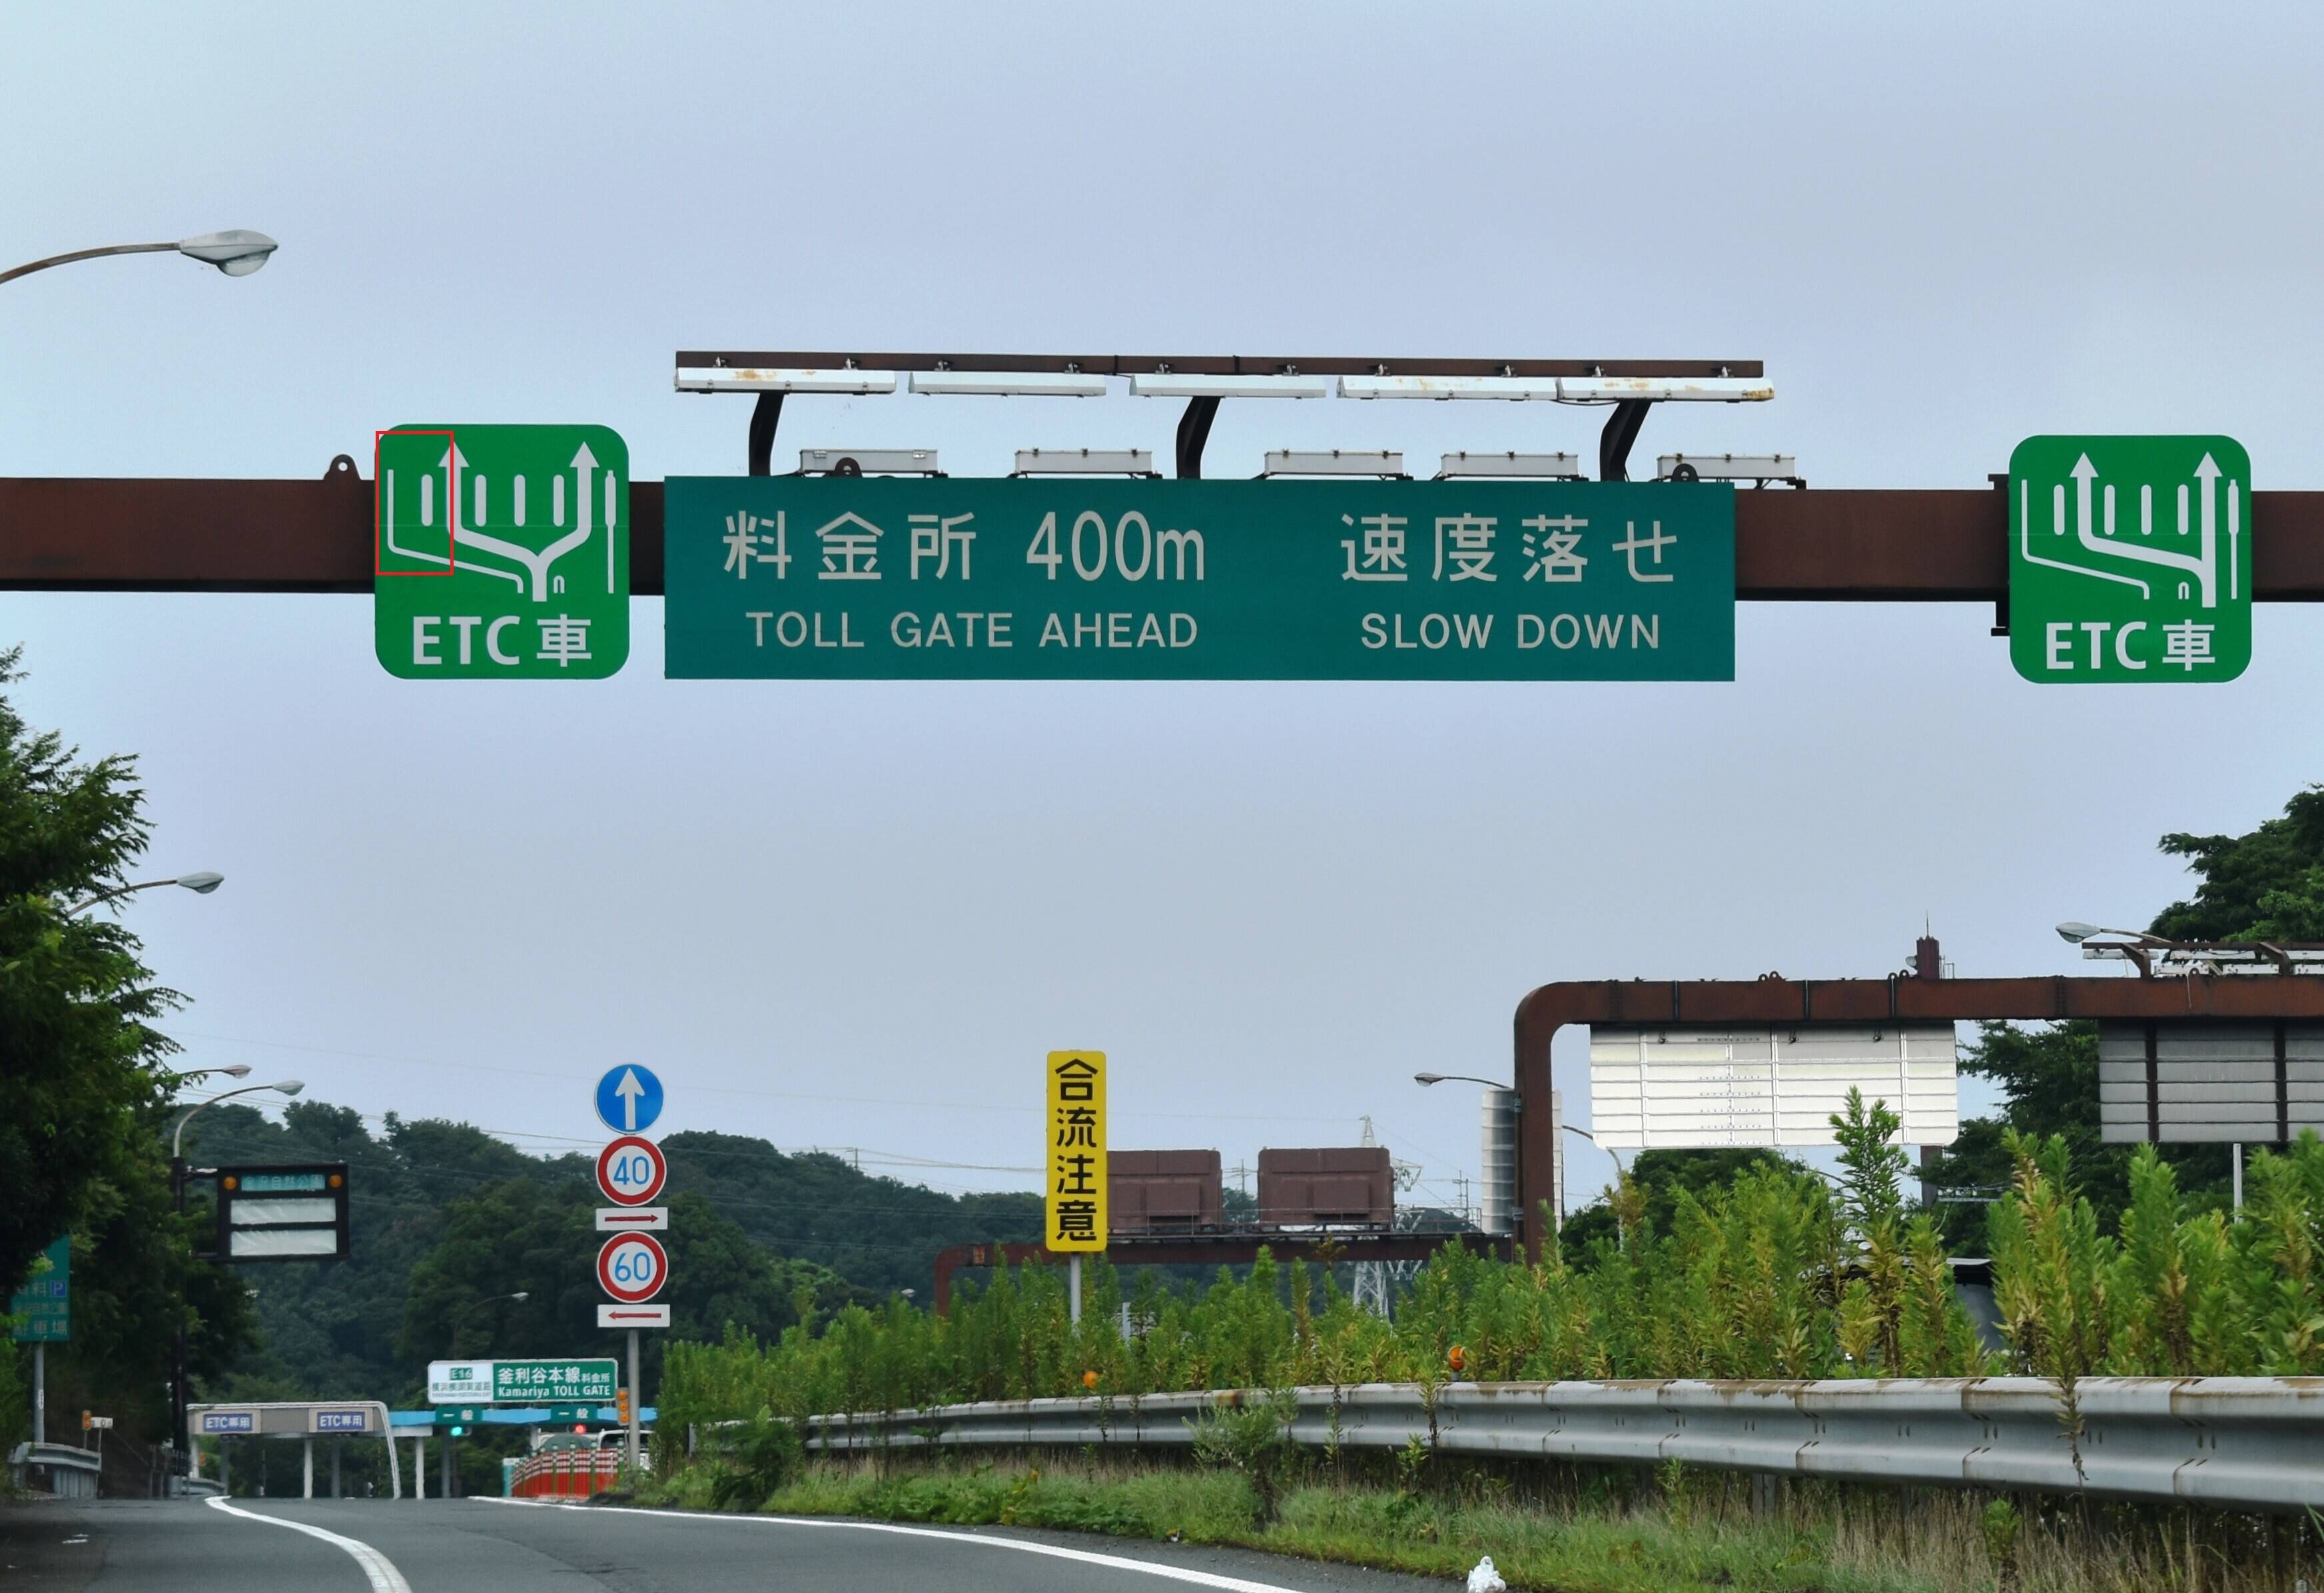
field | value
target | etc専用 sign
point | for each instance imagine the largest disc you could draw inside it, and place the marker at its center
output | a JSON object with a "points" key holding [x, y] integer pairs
{"points": [[2130, 558], [1074, 1086], [502, 552], [799, 577]]}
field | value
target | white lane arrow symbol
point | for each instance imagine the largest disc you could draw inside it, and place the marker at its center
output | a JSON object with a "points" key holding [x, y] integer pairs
{"points": [[629, 1089], [2208, 472], [2084, 474], [584, 462]]}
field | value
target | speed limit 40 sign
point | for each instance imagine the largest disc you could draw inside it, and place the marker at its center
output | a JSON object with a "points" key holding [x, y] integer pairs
{"points": [[631, 1170], [632, 1268]]}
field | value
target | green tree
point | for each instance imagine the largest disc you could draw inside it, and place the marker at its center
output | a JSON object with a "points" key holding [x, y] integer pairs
{"points": [[76, 1045], [2267, 885], [1659, 1177]]}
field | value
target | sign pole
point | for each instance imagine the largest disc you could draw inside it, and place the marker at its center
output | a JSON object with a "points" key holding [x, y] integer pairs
{"points": [[2236, 1163], [1074, 1287], [39, 1392], [637, 1399]]}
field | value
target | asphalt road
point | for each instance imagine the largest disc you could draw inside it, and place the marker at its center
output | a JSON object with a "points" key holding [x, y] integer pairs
{"points": [[485, 1546]]}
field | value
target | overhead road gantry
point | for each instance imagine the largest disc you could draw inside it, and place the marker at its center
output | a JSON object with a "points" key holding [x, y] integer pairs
{"points": [[203, 534], [1925, 996], [1629, 387]]}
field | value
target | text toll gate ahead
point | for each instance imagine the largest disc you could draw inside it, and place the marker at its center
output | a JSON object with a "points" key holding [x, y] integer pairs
{"points": [[889, 578]]}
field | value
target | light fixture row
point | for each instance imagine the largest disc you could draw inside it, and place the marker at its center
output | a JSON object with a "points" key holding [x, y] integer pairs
{"points": [[1562, 389]]}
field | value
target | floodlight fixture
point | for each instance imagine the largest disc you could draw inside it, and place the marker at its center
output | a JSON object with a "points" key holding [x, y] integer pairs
{"points": [[1760, 468], [1370, 461], [1010, 385], [867, 462], [1663, 390], [1165, 384], [1085, 461], [1539, 389], [764, 379], [1510, 466]]}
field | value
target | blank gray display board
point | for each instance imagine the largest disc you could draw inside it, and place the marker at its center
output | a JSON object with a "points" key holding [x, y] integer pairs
{"points": [[1666, 1088], [2180, 1083]]}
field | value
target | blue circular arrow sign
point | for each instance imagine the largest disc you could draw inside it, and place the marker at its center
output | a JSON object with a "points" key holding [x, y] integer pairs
{"points": [[629, 1098]]}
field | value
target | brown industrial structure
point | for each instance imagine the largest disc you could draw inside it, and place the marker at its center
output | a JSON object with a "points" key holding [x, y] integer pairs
{"points": [[1164, 1192], [1334, 1186]]}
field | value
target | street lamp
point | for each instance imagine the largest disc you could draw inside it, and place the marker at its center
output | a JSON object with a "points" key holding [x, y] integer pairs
{"points": [[200, 884], [177, 1140], [178, 1193], [1459, 1079], [234, 1070], [237, 252], [2154, 953]]}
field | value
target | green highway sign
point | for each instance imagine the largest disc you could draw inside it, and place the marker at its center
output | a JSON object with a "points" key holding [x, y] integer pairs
{"points": [[2130, 558], [502, 552], [795, 578], [545, 1381], [43, 1306]]}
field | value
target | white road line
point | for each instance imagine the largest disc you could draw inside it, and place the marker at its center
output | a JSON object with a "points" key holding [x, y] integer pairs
{"points": [[385, 1577], [1176, 1573]]}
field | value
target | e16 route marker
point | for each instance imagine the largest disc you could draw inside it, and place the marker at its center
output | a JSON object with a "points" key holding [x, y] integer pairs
{"points": [[632, 1268], [631, 1171], [629, 1098]]}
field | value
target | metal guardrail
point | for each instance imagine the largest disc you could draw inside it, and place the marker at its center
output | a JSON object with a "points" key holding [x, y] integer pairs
{"points": [[2241, 1443], [70, 1473]]}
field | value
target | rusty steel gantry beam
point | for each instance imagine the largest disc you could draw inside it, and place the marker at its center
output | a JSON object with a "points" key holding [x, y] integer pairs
{"points": [[1901, 997], [1826, 545]]}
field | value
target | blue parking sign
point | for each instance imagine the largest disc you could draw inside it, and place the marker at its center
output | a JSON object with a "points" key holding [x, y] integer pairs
{"points": [[629, 1098]]}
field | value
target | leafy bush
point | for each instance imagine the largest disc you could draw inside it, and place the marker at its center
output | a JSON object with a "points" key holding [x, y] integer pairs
{"points": [[1774, 1276]]}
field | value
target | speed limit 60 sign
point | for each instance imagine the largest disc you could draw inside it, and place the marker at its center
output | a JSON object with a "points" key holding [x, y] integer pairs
{"points": [[632, 1268], [631, 1171]]}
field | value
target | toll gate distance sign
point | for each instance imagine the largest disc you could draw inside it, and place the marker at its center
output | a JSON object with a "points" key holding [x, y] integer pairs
{"points": [[631, 1171], [789, 577]]}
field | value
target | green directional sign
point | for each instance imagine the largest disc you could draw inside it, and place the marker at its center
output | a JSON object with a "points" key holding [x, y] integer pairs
{"points": [[502, 552], [43, 1306], [792, 577], [546, 1382], [2130, 558]]}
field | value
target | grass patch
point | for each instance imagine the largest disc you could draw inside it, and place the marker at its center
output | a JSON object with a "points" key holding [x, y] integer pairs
{"points": [[1680, 1532]]}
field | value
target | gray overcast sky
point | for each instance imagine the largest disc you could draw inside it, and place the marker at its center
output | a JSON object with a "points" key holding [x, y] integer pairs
{"points": [[856, 915]]}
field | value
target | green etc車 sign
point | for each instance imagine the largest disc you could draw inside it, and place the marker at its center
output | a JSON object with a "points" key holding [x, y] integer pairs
{"points": [[504, 552], [2130, 558], [883, 578]]}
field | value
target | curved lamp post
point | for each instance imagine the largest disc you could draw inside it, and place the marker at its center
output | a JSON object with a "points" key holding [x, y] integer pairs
{"points": [[236, 253], [200, 884], [178, 1193]]}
